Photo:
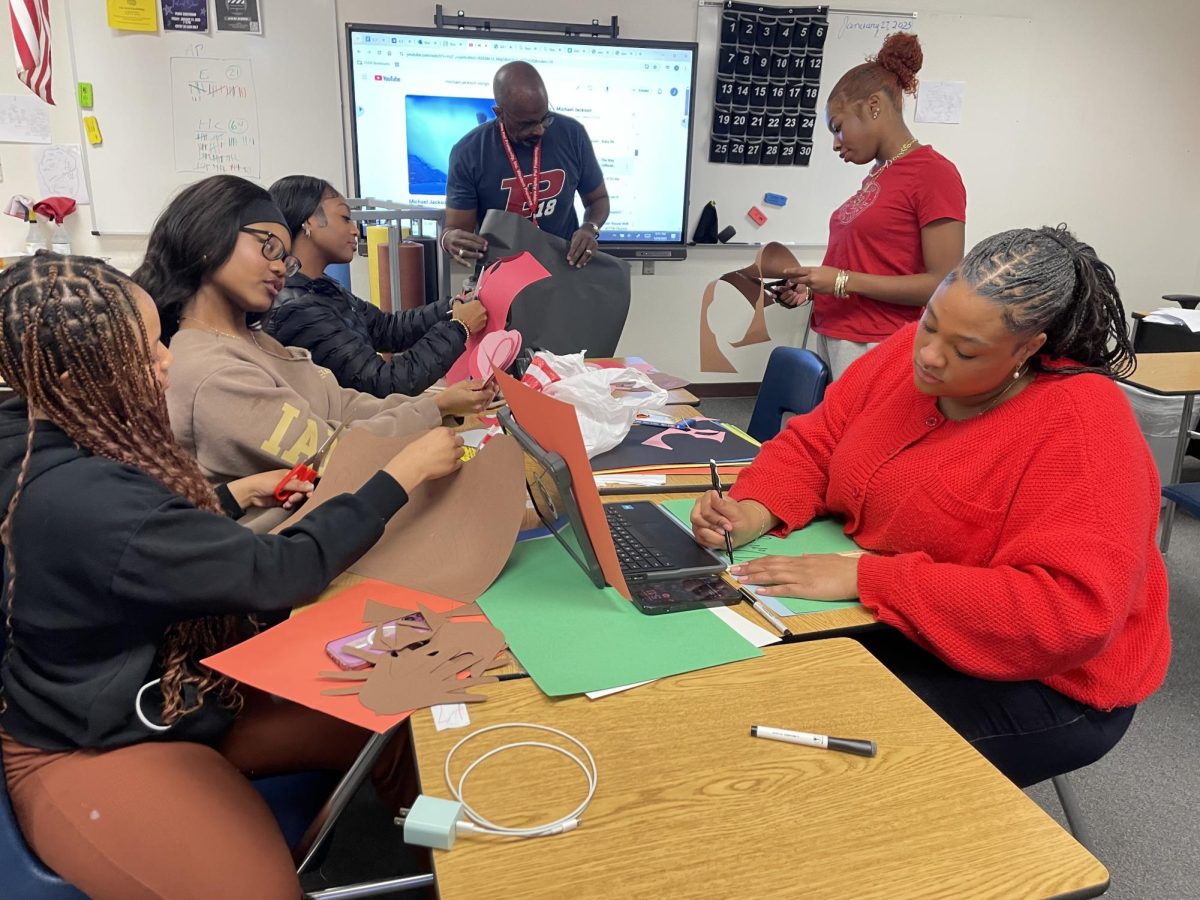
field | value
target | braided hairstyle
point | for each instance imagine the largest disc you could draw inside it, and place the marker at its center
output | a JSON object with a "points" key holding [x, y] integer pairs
{"points": [[892, 72], [76, 316], [1046, 280], [299, 197], [192, 238]]}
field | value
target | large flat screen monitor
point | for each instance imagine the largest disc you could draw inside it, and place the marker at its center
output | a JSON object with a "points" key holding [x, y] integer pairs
{"points": [[415, 92]]}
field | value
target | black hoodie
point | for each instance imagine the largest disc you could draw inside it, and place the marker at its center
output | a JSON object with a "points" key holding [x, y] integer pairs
{"points": [[107, 558]]}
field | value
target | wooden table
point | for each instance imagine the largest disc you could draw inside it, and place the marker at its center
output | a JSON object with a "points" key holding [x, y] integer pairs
{"points": [[689, 805], [1170, 375]]}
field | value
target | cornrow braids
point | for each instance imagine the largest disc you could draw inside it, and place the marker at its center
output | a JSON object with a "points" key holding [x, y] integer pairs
{"points": [[76, 316], [1046, 280]]}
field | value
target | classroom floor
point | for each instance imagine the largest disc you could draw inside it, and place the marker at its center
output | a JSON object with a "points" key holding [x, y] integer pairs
{"points": [[1139, 801]]}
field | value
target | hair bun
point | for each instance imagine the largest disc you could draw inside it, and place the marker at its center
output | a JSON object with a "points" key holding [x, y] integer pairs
{"points": [[901, 55]]}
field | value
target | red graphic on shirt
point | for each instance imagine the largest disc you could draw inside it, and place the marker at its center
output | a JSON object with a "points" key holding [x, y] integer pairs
{"points": [[859, 203], [548, 191]]}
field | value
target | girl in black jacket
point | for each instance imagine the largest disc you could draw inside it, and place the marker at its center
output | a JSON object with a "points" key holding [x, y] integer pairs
{"points": [[346, 334], [122, 752]]}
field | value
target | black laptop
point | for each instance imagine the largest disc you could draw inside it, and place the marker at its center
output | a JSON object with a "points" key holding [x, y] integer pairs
{"points": [[653, 547]]}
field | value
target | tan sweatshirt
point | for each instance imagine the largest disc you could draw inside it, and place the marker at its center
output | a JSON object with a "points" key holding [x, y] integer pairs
{"points": [[242, 408]]}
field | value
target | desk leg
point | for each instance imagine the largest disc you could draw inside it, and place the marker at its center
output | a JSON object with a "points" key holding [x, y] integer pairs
{"points": [[310, 845], [1181, 445]]}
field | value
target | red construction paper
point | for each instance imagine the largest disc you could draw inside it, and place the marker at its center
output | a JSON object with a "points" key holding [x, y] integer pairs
{"points": [[552, 423], [286, 660], [498, 288]]}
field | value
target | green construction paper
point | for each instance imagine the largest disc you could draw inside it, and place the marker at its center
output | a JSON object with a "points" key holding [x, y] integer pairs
{"points": [[819, 536], [85, 94], [573, 638]]}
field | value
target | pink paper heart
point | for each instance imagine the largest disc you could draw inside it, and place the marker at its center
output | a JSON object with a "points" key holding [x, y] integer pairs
{"points": [[496, 350]]}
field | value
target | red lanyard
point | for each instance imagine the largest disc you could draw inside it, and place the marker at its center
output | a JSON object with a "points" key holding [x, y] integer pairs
{"points": [[530, 197]]}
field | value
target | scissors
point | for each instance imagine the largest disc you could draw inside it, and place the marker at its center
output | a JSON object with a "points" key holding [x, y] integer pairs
{"points": [[309, 469], [684, 425]]}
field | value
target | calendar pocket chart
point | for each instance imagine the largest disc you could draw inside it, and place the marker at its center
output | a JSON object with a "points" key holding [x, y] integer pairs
{"points": [[768, 78]]}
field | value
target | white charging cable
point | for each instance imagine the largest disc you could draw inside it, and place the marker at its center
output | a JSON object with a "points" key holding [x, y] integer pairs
{"points": [[558, 826]]}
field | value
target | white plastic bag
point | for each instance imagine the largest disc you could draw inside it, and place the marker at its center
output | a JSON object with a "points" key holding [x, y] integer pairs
{"points": [[604, 419]]}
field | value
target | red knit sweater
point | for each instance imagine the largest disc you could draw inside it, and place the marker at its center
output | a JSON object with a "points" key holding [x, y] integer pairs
{"points": [[1019, 544]]}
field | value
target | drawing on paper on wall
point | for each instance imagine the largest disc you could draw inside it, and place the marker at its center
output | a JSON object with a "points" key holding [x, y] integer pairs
{"points": [[24, 119], [941, 101], [215, 111], [238, 15], [60, 173]]}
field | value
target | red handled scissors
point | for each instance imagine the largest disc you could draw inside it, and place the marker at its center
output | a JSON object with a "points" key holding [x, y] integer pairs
{"points": [[307, 470]]}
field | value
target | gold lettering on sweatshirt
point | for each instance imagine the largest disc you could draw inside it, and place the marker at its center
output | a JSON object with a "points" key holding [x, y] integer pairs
{"points": [[272, 444], [305, 447]]}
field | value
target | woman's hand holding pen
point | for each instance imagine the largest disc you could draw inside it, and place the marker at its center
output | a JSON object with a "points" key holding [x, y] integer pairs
{"points": [[744, 520], [820, 576]]}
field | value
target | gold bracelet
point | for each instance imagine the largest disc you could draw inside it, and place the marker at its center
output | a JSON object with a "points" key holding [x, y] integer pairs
{"points": [[466, 330], [839, 284]]}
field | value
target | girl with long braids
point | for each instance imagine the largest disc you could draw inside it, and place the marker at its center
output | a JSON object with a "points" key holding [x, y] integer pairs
{"points": [[121, 573], [240, 401], [892, 243], [1007, 502]]}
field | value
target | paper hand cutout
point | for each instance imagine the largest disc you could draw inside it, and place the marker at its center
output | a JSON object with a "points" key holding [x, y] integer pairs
{"points": [[497, 350], [413, 667], [704, 434], [499, 286]]}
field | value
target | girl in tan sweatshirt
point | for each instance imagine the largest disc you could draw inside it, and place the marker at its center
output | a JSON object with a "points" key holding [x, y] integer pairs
{"points": [[240, 401]]}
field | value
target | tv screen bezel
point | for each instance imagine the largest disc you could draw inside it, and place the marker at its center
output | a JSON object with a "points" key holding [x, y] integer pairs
{"points": [[647, 250]]}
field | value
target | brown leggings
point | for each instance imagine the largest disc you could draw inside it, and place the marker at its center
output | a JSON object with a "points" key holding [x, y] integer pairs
{"points": [[179, 820]]}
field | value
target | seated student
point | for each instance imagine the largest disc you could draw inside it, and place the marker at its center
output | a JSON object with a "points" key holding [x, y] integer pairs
{"points": [[998, 478], [346, 334], [240, 401], [124, 755]]}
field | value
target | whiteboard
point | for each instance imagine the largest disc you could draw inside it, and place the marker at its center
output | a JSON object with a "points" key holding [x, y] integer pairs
{"points": [[174, 107], [813, 191]]}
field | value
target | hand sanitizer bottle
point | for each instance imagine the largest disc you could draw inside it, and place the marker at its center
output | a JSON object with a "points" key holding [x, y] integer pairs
{"points": [[35, 239], [60, 241]]}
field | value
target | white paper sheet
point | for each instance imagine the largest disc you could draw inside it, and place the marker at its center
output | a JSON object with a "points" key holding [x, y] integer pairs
{"points": [[941, 101], [24, 119]]}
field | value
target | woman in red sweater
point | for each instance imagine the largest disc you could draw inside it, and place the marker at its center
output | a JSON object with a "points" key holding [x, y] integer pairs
{"points": [[996, 474]]}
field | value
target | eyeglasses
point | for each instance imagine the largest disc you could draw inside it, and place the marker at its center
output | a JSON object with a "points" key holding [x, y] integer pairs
{"points": [[273, 249], [544, 122]]}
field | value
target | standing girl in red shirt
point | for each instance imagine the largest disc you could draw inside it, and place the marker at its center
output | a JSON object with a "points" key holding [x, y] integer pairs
{"points": [[1007, 500], [893, 242]]}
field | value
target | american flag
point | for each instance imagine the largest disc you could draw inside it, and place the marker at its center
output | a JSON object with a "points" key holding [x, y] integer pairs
{"points": [[31, 41]]}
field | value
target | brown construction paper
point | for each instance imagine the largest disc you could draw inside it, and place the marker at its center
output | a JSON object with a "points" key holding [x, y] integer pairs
{"points": [[413, 668], [769, 263], [454, 535]]}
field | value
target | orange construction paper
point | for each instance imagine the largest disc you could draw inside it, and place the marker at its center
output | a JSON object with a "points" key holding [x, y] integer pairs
{"points": [[287, 660], [553, 424]]}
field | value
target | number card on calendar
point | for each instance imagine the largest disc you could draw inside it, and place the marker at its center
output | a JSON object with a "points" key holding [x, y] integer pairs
{"points": [[768, 80]]}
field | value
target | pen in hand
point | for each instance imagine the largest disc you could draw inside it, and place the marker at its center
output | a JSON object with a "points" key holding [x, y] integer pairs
{"points": [[716, 483]]}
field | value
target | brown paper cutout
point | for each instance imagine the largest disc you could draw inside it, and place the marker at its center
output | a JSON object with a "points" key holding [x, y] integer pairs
{"points": [[454, 535], [769, 263], [413, 667]]}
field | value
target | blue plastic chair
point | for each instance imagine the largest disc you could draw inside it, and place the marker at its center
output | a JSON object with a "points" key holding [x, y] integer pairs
{"points": [[294, 798], [1185, 496], [339, 272], [794, 382]]}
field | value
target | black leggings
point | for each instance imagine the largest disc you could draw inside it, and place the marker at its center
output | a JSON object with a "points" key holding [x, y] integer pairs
{"points": [[1028, 731]]}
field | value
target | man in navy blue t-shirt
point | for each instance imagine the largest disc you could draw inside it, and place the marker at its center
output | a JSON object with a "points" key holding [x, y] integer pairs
{"points": [[527, 161]]}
